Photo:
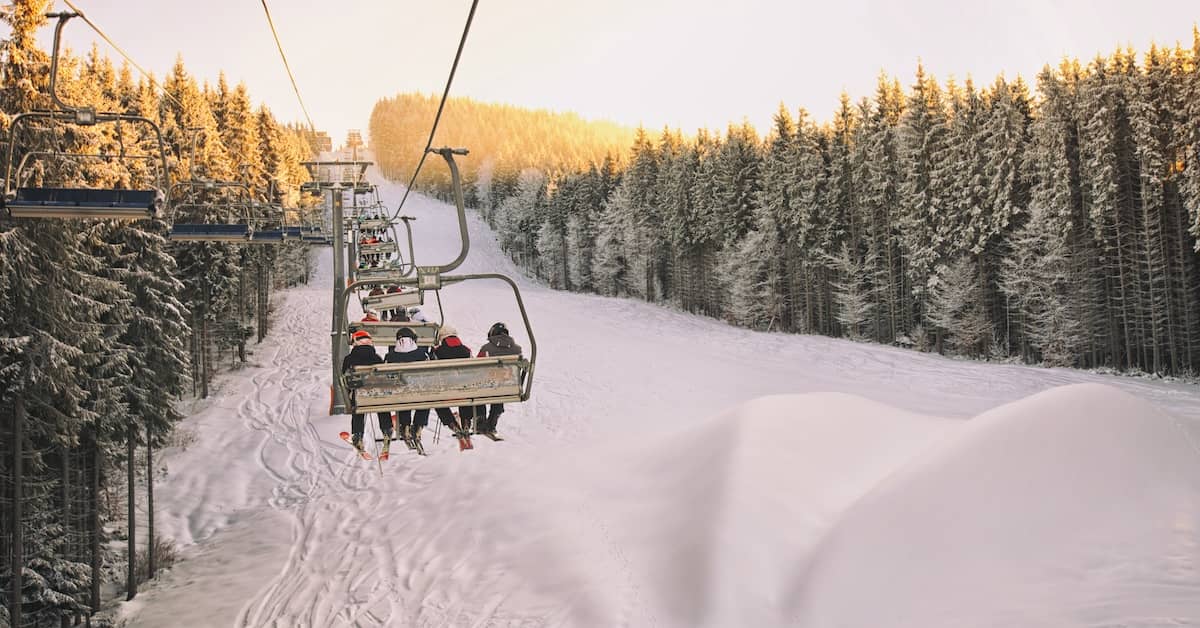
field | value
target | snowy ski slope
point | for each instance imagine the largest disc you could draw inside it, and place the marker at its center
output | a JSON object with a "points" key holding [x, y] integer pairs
{"points": [[670, 471]]}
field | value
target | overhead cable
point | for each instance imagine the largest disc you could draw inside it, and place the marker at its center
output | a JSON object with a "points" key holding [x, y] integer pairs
{"points": [[458, 55], [288, 67], [106, 38]]}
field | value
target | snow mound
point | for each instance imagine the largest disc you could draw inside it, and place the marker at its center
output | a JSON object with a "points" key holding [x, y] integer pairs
{"points": [[1078, 506], [701, 528]]}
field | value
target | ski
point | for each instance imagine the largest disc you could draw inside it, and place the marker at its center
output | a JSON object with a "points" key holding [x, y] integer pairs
{"points": [[492, 435], [361, 452]]}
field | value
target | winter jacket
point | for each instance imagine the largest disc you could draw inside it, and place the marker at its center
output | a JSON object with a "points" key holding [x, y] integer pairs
{"points": [[360, 355], [450, 348], [500, 344], [407, 351]]}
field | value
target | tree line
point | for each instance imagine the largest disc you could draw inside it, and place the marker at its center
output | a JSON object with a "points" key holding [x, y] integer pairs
{"points": [[503, 139], [105, 324], [1058, 226]]}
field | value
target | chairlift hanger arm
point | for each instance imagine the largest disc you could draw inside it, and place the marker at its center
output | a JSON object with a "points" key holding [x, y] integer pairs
{"points": [[456, 182]]}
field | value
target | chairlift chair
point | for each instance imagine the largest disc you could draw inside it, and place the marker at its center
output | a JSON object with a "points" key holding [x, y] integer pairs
{"points": [[393, 300], [196, 198], [24, 200], [385, 331], [267, 224]]}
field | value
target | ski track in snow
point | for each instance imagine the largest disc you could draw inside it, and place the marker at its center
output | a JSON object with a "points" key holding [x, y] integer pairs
{"points": [[400, 548]]}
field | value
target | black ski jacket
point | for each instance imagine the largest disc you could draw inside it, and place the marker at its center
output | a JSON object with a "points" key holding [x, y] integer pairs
{"points": [[360, 355], [500, 344], [420, 354]]}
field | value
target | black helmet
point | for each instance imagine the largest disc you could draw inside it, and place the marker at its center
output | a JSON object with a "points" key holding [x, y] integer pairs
{"points": [[405, 332], [497, 329]]}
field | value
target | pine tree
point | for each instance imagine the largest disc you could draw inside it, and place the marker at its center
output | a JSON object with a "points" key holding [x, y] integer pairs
{"points": [[956, 308], [852, 292], [879, 173], [923, 192]]}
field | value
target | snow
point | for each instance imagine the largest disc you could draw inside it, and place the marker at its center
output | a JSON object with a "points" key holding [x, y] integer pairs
{"points": [[671, 470]]}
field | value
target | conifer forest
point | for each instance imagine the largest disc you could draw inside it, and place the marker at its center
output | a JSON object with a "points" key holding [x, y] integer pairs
{"points": [[1056, 224], [105, 325]]}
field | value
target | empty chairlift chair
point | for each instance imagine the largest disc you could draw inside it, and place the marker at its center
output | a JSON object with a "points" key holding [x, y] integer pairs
{"points": [[37, 137]]}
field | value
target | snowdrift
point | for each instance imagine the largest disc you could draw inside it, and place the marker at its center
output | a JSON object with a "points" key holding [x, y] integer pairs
{"points": [[1078, 506], [699, 529]]}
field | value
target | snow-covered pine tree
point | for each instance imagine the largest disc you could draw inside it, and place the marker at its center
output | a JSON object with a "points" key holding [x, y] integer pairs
{"points": [[681, 222], [751, 273], [852, 291], [1042, 275], [1005, 137], [957, 309], [926, 164], [1039, 277], [1190, 157], [50, 325], [710, 236], [642, 222], [776, 209], [846, 217], [1154, 115], [877, 156], [610, 265]]}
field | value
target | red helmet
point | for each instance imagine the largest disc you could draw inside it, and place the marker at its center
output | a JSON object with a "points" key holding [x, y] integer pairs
{"points": [[360, 334]]}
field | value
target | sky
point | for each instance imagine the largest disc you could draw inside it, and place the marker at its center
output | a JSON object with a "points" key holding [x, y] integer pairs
{"points": [[686, 64]]}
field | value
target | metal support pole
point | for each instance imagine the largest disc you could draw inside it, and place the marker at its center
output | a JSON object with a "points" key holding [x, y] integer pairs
{"points": [[337, 402], [150, 557], [131, 580], [97, 464], [18, 559]]}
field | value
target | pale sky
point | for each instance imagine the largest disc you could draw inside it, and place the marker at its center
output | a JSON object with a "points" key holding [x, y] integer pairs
{"points": [[681, 63]]}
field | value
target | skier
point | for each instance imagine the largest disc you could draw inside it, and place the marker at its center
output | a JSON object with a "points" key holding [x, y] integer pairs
{"points": [[395, 314], [409, 423], [363, 354], [450, 347], [417, 316], [370, 316], [499, 343]]}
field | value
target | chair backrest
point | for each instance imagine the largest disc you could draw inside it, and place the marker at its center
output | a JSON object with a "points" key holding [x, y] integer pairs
{"points": [[437, 383], [377, 248], [271, 236], [204, 232], [384, 332], [393, 300]]}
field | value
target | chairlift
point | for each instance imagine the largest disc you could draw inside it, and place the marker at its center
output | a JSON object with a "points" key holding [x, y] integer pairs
{"points": [[267, 226], [436, 383], [24, 200], [196, 197]]}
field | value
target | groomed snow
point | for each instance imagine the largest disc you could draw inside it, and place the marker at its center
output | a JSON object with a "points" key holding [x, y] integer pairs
{"points": [[671, 470]]}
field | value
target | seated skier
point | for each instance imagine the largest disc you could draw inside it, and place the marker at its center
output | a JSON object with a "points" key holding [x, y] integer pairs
{"points": [[363, 354], [450, 347], [409, 423], [499, 343]]}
